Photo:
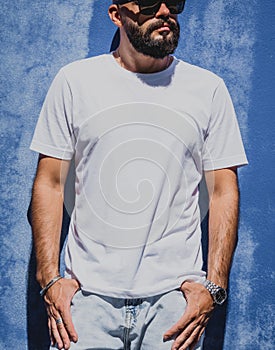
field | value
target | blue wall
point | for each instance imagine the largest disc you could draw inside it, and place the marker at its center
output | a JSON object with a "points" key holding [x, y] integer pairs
{"points": [[234, 39]]}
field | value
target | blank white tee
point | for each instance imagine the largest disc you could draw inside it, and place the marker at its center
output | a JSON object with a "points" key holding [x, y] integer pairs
{"points": [[141, 143]]}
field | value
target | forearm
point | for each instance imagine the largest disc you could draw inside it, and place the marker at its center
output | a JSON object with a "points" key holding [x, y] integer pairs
{"points": [[223, 224], [47, 211]]}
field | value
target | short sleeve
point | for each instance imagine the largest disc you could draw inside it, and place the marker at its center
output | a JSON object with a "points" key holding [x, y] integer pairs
{"points": [[53, 134], [223, 146]]}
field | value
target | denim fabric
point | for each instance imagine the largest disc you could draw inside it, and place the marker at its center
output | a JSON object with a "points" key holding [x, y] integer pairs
{"points": [[128, 324]]}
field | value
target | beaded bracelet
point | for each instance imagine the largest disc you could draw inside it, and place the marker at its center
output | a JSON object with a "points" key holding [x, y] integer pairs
{"points": [[52, 282]]}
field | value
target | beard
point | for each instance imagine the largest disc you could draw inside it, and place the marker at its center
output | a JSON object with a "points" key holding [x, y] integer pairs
{"points": [[145, 44]]}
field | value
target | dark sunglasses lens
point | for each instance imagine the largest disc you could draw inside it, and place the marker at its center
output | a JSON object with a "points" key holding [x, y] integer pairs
{"points": [[176, 7], [151, 7]]}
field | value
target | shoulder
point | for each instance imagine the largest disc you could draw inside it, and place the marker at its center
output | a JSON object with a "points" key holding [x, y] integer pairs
{"points": [[196, 73], [86, 67]]}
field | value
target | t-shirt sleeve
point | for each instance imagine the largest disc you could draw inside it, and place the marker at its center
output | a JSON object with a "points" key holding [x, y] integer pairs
{"points": [[53, 134], [223, 146]]}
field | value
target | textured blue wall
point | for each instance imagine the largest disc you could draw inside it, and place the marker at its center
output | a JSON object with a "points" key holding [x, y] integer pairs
{"points": [[234, 39]]}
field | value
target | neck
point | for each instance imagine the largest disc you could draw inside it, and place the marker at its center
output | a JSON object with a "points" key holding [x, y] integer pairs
{"points": [[138, 63]]}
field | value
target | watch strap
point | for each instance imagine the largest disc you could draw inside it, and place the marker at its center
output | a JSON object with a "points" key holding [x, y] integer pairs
{"points": [[211, 287], [218, 293]]}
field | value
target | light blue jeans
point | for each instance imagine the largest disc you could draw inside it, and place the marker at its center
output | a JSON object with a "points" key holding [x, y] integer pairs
{"points": [[128, 324]]}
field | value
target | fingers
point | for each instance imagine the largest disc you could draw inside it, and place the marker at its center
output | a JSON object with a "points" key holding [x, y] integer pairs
{"points": [[189, 337], [57, 328], [193, 345], [185, 343], [61, 327], [58, 303], [67, 324], [186, 333], [50, 332], [58, 334], [188, 330], [177, 327]]}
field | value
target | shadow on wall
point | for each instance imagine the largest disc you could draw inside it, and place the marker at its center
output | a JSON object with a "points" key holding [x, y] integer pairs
{"points": [[37, 324], [215, 331]]}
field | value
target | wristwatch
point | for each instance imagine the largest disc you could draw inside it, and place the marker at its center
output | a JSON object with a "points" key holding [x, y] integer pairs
{"points": [[218, 293]]}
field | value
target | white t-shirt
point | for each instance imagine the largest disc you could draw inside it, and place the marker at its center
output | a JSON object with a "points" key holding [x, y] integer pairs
{"points": [[141, 143]]}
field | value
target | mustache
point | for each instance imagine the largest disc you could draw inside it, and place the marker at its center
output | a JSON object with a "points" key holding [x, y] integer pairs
{"points": [[174, 26]]}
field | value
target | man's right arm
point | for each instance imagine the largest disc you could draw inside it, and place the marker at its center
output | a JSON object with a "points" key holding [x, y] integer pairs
{"points": [[47, 213]]}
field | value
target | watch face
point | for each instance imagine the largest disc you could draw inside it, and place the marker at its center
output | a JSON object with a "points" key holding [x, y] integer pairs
{"points": [[220, 296]]}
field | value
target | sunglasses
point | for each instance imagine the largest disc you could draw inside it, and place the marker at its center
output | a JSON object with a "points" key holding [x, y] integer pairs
{"points": [[151, 7]]}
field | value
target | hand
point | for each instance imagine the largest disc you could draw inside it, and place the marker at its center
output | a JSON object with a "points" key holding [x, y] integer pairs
{"points": [[188, 330], [58, 302]]}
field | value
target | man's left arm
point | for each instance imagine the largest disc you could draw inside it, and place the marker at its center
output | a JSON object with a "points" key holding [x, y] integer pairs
{"points": [[223, 223], [223, 192]]}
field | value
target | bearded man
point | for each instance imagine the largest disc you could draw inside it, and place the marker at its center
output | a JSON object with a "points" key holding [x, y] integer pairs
{"points": [[143, 128]]}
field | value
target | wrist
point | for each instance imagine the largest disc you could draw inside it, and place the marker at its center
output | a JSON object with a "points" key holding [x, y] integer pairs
{"points": [[218, 293], [44, 278], [44, 290], [218, 279]]}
